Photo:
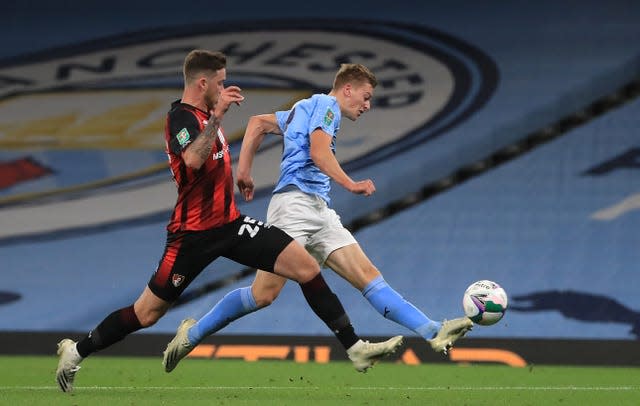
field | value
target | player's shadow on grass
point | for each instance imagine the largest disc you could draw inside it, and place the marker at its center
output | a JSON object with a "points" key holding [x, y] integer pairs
{"points": [[579, 306]]}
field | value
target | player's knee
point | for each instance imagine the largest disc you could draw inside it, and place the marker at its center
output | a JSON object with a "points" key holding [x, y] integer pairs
{"points": [[308, 272], [149, 317], [371, 272], [266, 297], [265, 291], [296, 264], [364, 276]]}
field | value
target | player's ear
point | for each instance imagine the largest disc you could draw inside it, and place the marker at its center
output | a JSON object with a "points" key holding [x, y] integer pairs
{"points": [[202, 83], [346, 90]]}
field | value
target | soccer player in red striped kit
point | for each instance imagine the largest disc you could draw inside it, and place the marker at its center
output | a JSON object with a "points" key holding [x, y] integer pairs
{"points": [[207, 224]]}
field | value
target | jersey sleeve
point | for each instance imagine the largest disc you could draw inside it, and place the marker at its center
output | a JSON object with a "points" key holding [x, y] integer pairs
{"points": [[325, 116], [183, 130], [284, 118]]}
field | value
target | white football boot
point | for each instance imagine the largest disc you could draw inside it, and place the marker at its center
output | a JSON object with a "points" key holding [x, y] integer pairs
{"points": [[67, 364], [449, 333], [364, 354], [179, 347]]}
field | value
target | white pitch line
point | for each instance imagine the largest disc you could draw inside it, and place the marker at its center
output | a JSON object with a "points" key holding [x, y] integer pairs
{"points": [[530, 388], [417, 388]]}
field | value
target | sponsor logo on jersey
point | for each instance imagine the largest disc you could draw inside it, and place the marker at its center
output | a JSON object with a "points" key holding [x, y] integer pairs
{"points": [[220, 154]]}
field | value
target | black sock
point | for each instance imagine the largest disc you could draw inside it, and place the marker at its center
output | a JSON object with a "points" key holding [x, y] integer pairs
{"points": [[113, 328], [347, 336], [328, 307]]}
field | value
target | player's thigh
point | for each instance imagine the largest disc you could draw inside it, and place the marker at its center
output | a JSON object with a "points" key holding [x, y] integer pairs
{"points": [[351, 263], [310, 222], [331, 237], [266, 247], [186, 254], [258, 245], [295, 263]]}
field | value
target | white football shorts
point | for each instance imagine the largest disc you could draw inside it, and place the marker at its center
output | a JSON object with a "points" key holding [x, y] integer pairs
{"points": [[309, 220]]}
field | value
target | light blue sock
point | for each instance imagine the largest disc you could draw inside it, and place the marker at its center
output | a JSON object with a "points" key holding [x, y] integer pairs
{"points": [[232, 306], [394, 307]]}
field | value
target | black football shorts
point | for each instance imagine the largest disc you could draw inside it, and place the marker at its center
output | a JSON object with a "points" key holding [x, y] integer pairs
{"points": [[187, 253]]}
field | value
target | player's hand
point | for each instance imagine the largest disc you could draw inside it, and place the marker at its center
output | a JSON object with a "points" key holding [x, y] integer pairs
{"points": [[363, 187], [228, 96], [245, 186]]}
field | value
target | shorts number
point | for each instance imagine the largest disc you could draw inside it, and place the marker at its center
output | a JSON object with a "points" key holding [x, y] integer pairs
{"points": [[252, 230]]}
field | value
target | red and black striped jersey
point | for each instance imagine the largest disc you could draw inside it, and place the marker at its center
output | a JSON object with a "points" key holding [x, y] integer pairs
{"points": [[205, 196]]}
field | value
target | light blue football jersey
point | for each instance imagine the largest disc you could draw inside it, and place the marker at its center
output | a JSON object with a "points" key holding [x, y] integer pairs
{"points": [[297, 168]]}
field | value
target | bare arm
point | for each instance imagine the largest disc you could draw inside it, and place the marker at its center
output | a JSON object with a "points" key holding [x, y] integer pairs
{"points": [[257, 128], [197, 153], [326, 161]]}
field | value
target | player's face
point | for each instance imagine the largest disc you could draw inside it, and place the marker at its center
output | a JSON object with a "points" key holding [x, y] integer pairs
{"points": [[358, 100], [213, 88]]}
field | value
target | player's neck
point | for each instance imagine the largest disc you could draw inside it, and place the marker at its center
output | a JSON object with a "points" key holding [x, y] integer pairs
{"points": [[339, 98], [193, 100]]}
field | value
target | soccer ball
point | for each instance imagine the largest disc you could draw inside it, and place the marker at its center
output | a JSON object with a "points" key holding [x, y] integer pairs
{"points": [[484, 302]]}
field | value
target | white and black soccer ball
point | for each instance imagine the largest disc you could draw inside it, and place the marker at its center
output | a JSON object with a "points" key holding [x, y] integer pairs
{"points": [[485, 302]]}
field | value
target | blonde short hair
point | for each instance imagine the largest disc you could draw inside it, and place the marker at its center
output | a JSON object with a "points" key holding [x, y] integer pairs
{"points": [[354, 73]]}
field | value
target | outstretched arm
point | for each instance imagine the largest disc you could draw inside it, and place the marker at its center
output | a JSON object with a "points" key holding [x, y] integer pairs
{"points": [[257, 128], [326, 161]]}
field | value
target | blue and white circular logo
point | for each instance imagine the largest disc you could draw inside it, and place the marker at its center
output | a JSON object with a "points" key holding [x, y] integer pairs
{"points": [[81, 128]]}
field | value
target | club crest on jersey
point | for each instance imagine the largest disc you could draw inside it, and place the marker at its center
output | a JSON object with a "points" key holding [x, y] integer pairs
{"points": [[177, 279], [183, 137], [328, 117]]}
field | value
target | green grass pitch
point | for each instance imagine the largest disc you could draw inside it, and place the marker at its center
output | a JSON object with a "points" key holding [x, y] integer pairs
{"points": [[142, 381]]}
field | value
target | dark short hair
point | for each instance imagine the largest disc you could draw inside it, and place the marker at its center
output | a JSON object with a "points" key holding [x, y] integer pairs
{"points": [[199, 61], [354, 73]]}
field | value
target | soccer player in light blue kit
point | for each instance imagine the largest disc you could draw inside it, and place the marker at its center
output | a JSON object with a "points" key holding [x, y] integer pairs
{"points": [[300, 206]]}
